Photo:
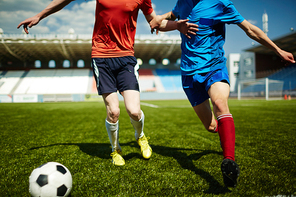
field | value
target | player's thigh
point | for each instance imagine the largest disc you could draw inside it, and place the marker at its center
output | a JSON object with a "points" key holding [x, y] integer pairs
{"points": [[219, 90], [132, 103], [112, 106], [219, 94]]}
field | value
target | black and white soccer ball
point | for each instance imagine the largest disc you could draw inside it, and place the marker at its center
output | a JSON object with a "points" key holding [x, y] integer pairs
{"points": [[50, 180]]}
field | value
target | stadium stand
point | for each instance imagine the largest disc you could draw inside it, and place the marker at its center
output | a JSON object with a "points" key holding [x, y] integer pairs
{"points": [[281, 82], [287, 75], [9, 80], [79, 81], [19, 77], [55, 81], [170, 79], [147, 80]]}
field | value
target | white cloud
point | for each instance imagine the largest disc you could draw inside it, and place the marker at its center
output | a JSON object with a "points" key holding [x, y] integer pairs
{"points": [[254, 22], [80, 17], [16, 5]]}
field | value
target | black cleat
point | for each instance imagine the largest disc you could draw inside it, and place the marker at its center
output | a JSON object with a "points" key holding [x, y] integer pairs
{"points": [[230, 172]]}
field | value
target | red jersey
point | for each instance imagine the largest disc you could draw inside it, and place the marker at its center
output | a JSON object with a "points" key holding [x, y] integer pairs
{"points": [[115, 27]]}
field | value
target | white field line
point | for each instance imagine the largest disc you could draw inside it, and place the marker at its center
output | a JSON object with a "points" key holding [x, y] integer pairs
{"points": [[150, 105], [165, 106]]}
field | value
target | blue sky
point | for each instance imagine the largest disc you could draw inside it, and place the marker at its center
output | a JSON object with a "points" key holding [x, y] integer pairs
{"points": [[79, 15]]}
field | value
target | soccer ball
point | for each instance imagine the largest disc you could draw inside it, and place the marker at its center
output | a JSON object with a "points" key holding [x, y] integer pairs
{"points": [[50, 180]]}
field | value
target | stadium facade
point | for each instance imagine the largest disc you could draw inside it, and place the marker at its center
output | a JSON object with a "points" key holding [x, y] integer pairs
{"points": [[52, 60], [258, 63], [21, 51]]}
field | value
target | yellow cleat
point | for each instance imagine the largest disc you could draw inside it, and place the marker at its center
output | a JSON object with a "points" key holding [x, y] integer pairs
{"points": [[146, 150], [117, 158]]}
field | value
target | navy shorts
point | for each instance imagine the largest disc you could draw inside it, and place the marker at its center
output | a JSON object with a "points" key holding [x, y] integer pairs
{"points": [[196, 86], [118, 73]]}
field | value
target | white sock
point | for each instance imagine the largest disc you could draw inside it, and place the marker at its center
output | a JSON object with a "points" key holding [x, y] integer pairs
{"points": [[138, 126], [112, 129]]}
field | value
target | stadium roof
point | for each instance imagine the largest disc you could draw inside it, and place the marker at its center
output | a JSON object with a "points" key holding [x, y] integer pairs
{"points": [[45, 47], [287, 43]]}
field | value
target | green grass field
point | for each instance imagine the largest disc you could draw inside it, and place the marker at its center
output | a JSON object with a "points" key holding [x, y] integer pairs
{"points": [[186, 158]]}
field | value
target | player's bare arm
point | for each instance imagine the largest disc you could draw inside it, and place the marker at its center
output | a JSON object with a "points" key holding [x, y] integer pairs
{"points": [[258, 35], [156, 22], [181, 25], [167, 22], [53, 7]]}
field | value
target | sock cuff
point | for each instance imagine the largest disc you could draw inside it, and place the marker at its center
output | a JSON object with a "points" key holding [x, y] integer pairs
{"points": [[142, 116], [224, 116], [113, 124]]}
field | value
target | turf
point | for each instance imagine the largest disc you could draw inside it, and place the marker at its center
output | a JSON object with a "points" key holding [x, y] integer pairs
{"points": [[186, 158]]}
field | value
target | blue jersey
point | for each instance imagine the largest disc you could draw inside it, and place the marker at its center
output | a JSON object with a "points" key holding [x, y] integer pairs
{"points": [[204, 52]]}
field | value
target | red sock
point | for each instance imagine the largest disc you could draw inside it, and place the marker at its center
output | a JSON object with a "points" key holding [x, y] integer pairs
{"points": [[227, 135]]}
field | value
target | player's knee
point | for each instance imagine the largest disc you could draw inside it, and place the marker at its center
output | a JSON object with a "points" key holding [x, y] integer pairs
{"points": [[135, 114], [220, 105], [113, 115]]}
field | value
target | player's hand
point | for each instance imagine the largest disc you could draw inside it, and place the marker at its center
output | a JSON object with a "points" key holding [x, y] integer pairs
{"points": [[155, 24], [187, 28], [28, 23], [287, 57]]}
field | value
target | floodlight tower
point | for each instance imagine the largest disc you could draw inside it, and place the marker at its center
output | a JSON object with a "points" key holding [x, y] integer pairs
{"points": [[1, 32], [265, 22]]}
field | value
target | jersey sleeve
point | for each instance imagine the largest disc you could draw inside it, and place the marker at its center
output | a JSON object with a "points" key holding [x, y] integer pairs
{"points": [[146, 7], [176, 11], [231, 15]]}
